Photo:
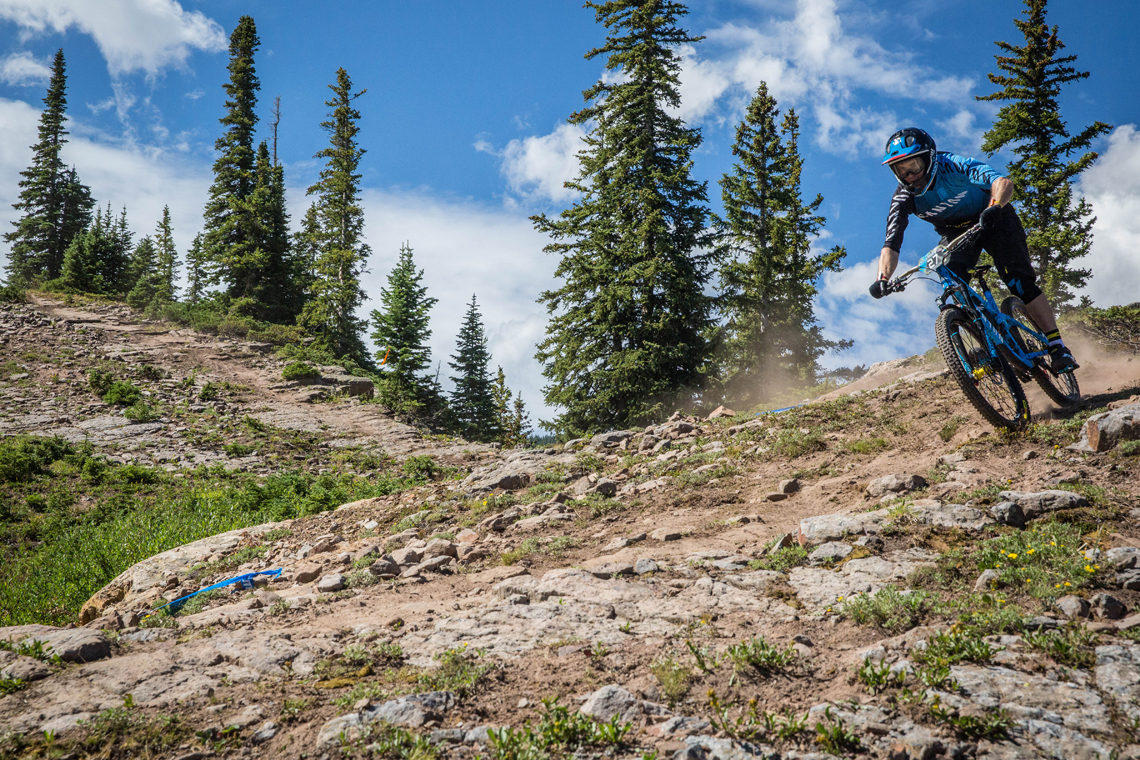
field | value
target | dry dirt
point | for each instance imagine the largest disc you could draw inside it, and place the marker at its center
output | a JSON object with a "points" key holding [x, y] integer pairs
{"points": [[597, 631]]}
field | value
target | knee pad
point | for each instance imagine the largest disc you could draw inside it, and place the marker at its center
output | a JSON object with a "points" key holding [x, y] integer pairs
{"points": [[1024, 288]]}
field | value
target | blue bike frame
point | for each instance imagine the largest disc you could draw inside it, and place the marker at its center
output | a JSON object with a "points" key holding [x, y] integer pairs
{"points": [[995, 326]]}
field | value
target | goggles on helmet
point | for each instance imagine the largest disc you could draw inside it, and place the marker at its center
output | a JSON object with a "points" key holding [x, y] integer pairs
{"points": [[911, 168]]}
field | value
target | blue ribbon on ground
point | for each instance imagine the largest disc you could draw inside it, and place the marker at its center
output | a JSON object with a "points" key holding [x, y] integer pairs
{"points": [[246, 581]]}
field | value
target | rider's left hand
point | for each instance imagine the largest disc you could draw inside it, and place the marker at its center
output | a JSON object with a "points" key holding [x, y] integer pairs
{"points": [[878, 288], [990, 216]]}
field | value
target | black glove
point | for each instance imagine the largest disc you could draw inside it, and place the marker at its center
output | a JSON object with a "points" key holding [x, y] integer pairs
{"points": [[878, 288], [990, 216]]}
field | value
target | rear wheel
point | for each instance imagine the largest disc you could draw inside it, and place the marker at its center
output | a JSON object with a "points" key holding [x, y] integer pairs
{"points": [[1061, 389], [989, 384]]}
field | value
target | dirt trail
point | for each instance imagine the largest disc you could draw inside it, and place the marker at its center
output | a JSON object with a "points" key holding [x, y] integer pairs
{"points": [[564, 591], [250, 365]]}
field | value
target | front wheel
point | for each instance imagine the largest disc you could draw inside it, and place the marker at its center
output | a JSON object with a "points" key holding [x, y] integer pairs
{"points": [[1061, 389], [989, 384]]}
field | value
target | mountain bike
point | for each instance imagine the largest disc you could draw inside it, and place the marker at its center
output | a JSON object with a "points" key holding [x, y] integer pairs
{"points": [[988, 349]]}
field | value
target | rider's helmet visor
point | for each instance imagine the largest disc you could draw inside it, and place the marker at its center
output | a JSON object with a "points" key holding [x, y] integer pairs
{"points": [[909, 169]]}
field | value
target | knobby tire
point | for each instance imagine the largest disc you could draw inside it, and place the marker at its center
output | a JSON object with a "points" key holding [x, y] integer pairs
{"points": [[1061, 389], [949, 329]]}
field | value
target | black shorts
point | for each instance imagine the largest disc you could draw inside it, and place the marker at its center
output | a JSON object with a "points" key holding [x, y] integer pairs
{"points": [[1006, 243]]}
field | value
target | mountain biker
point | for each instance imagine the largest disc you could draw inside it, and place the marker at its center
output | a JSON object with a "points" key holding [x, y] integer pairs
{"points": [[953, 193]]}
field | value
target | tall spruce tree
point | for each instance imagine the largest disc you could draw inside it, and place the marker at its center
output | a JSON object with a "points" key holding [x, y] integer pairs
{"points": [[197, 271], [473, 400], [166, 260], [771, 338], [400, 327], [53, 204], [81, 260], [512, 420], [627, 335], [306, 249], [231, 231], [115, 265], [1059, 230], [268, 278], [329, 313], [144, 274]]}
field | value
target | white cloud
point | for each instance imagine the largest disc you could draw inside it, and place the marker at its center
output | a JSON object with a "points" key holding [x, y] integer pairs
{"points": [[24, 70], [133, 35], [538, 166], [1112, 186], [961, 133], [142, 179], [901, 324], [808, 60], [811, 61]]}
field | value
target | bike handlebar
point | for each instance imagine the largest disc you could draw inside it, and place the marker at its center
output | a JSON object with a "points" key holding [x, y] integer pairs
{"points": [[898, 284]]}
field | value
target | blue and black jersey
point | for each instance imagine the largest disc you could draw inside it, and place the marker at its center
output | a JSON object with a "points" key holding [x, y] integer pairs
{"points": [[958, 194]]}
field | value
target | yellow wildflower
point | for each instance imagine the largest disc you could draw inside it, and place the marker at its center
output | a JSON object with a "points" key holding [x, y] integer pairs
{"points": [[1013, 556], [1028, 551], [1068, 584]]}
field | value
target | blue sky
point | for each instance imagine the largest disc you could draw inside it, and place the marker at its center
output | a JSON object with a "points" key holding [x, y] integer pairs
{"points": [[464, 124]]}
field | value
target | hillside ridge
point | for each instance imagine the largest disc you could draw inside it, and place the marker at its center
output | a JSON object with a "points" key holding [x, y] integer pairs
{"points": [[708, 581]]}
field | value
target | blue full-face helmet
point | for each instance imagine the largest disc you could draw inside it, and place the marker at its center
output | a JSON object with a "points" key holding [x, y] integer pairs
{"points": [[910, 155]]}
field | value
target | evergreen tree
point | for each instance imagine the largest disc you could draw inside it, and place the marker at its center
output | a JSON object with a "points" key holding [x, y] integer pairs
{"points": [[768, 279], [53, 204], [166, 260], [518, 430], [197, 271], [76, 275], [329, 313], [231, 230], [81, 259], [501, 395], [1059, 231], [628, 329], [401, 327], [512, 420], [306, 249], [285, 292], [473, 401], [143, 274], [114, 264]]}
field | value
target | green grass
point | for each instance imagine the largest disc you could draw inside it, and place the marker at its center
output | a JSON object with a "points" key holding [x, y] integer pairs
{"points": [[57, 557], [891, 609], [953, 647], [1072, 646], [560, 731], [782, 560], [674, 676], [24, 457], [1045, 561], [867, 445], [757, 655]]}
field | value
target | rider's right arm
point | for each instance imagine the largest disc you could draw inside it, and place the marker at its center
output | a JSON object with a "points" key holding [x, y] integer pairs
{"points": [[888, 260], [902, 206]]}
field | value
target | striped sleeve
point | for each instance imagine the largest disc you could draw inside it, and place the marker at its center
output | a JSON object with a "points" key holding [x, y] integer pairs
{"points": [[979, 174], [902, 206]]}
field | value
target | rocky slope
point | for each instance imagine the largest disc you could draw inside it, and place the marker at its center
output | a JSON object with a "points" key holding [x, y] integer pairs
{"points": [[873, 574]]}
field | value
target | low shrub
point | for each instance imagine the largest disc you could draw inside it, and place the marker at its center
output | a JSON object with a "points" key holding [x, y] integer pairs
{"points": [[24, 457], [122, 393], [300, 371]]}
